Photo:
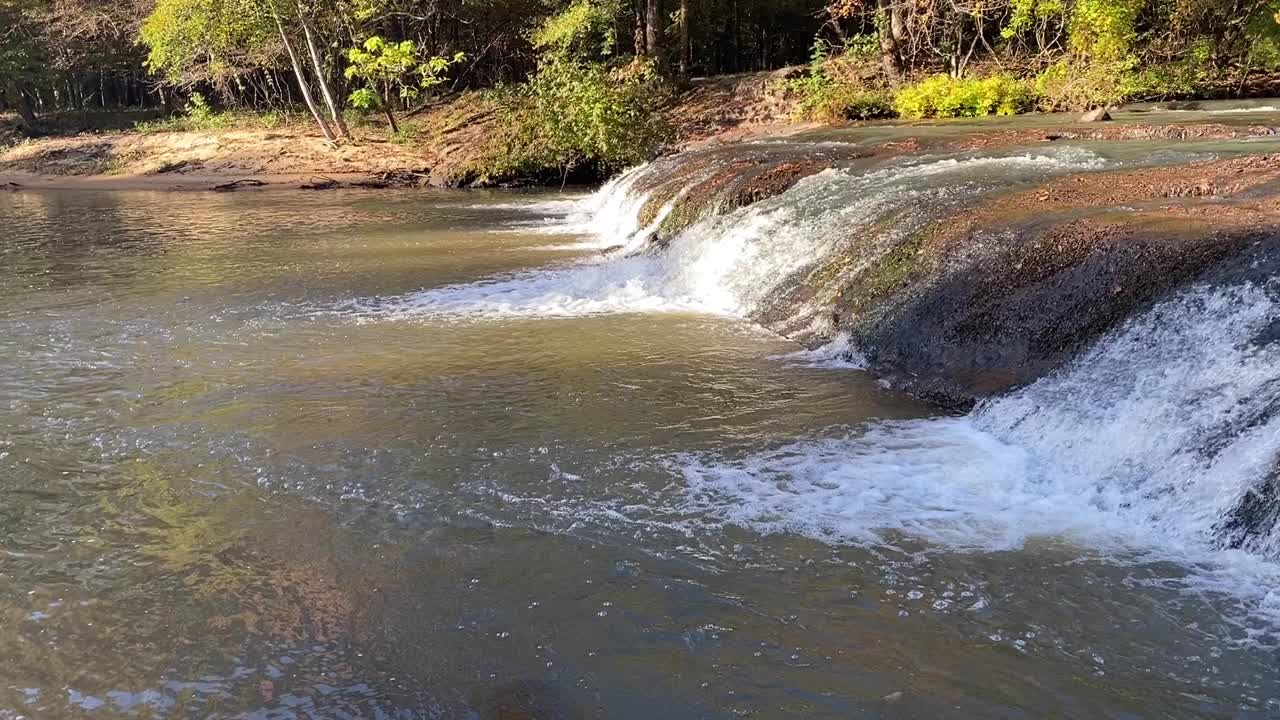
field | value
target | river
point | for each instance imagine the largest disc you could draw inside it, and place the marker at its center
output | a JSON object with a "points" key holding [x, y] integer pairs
{"points": [[406, 455]]}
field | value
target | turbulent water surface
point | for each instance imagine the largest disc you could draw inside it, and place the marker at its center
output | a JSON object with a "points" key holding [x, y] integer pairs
{"points": [[410, 456]]}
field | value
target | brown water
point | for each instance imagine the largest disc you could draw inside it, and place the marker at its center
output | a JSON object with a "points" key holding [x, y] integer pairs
{"points": [[234, 487]]}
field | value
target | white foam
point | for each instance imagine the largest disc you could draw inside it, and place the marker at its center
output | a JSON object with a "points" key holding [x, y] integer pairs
{"points": [[727, 264], [839, 353], [1138, 450], [1220, 111], [577, 290], [609, 216]]}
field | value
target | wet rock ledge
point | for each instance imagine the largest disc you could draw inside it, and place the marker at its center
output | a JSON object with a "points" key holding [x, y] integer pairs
{"points": [[980, 297], [1001, 294]]}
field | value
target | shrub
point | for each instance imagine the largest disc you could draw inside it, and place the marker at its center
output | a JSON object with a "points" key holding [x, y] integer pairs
{"points": [[1080, 86], [835, 101], [945, 96], [1104, 29], [197, 115], [581, 116], [825, 97]]}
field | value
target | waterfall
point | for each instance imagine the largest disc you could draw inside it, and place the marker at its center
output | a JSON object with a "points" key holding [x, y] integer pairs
{"points": [[1158, 443], [1162, 442], [733, 263]]}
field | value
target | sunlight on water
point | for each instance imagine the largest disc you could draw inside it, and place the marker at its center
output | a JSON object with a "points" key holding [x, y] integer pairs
{"points": [[391, 455]]}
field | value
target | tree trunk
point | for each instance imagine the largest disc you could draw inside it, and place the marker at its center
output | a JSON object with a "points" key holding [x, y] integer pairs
{"points": [[640, 25], [302, 78], [391, 118], [653, 28], [334, 111], [890, 55], [388, 110], [27, 120], [685, 52]]}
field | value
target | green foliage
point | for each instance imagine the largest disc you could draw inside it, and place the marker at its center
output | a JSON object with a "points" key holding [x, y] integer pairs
{"points": [[827, 98], [1187, 77], [387, 68], [582, 31], [198, 110], [197, 115], [1025, 14], [406, 134], [24, 57], [1263, 33], [1104, 29], [1068, 86], [192, 41], [863, 46], [944, 96], [573, 115]]}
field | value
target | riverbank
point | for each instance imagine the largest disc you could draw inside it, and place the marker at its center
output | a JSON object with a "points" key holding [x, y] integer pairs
{"points": [[446, 145]]}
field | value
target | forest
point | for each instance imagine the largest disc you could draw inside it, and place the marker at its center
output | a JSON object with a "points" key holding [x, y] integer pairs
{"points": [[580, 82]]}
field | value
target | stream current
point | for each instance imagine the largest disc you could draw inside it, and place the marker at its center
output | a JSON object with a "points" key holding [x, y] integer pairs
{"points": [[409, 455]]}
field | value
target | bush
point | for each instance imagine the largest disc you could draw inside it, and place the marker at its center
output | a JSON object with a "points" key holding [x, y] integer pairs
{"points": [[197, 115], [1074, 87], [1104, 29], [581, 117], [825, 97], [945, 96], [834, 101]]}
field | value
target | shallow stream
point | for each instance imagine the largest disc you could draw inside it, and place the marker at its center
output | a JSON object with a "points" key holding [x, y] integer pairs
{"points": [[408, 455]]}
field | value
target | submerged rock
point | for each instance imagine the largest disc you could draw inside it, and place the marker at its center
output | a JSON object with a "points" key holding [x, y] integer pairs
{"points": [[1096, 115]]}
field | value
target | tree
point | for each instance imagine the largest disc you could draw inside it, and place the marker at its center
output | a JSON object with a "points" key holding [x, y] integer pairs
{"points": [[682, 18], [219, 41], [390, 71], [653, 28], [317, 64], [23, 56]]}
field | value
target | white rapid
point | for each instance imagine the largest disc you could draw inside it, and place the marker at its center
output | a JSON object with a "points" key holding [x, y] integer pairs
{"points": [[1140, 450], [731, 264], [1144, 449]]}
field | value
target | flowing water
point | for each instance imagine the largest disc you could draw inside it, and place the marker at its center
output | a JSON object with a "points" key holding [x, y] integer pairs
{"points": [[409, 455]]}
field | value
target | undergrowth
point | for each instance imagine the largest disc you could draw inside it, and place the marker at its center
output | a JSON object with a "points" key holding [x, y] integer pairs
{"points": [[198, 115]]}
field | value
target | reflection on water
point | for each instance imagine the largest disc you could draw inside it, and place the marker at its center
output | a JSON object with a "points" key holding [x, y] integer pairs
{"points": [[226, 496]]}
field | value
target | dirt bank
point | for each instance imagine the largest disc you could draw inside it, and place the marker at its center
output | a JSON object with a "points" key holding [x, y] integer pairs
{"points": [[448, 144], [450, 139]]}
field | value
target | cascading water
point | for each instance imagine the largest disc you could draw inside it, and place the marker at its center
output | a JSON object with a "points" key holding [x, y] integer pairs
{"points": [[1159, 443], [733, 263], [1143, 449]]}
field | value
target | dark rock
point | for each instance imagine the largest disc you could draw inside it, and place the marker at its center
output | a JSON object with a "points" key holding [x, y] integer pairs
{"points": [[979, 300], [320, 183], [1254, 517], [237, 184], [1096, 115]]}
